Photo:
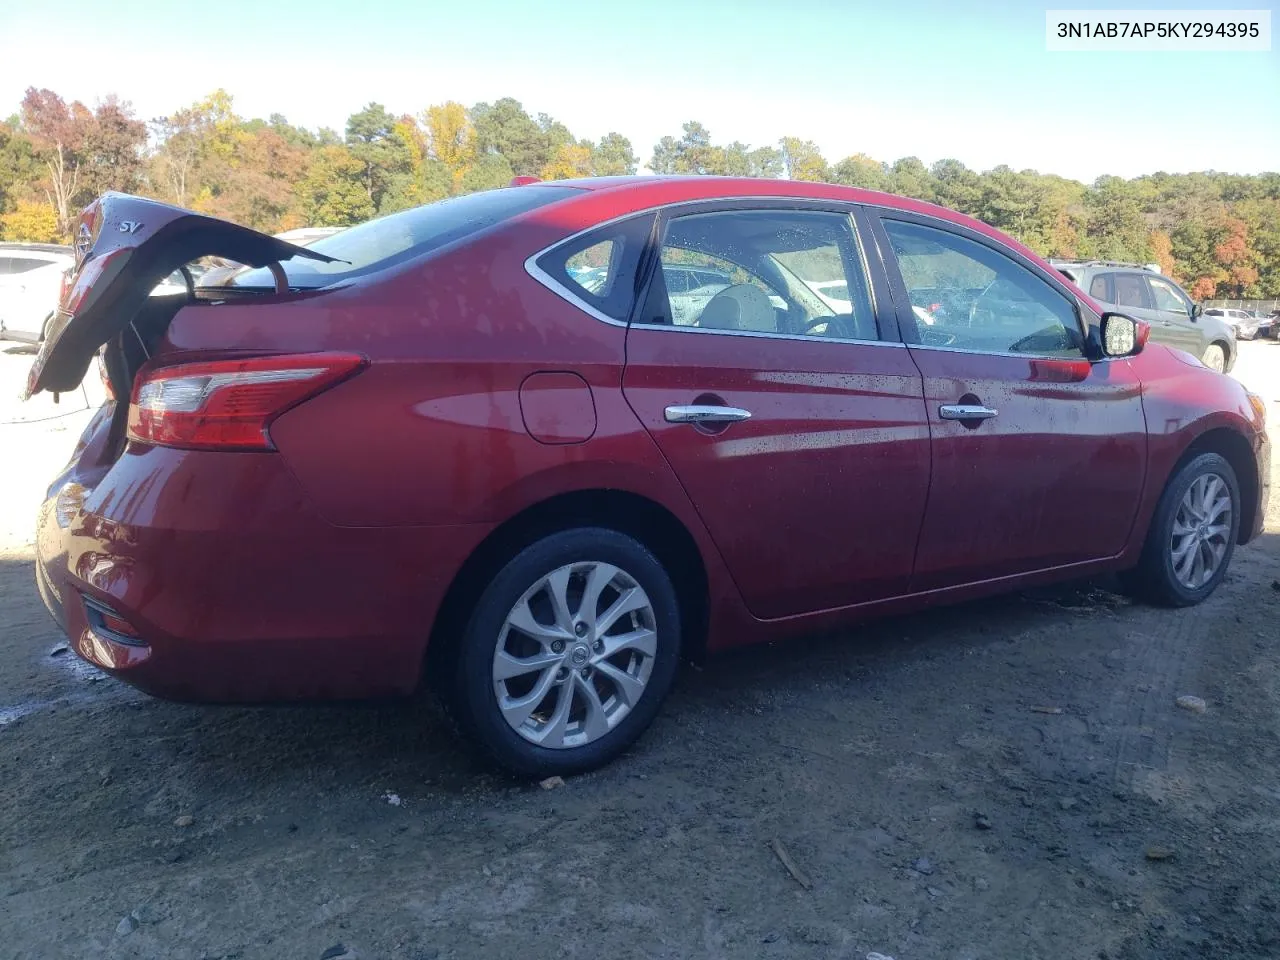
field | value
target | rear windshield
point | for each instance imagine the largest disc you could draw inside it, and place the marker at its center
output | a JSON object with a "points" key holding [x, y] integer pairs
{"points": [[397, 237]]}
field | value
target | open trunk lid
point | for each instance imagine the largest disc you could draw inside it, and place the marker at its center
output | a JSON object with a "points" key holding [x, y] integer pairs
{"points": [[125, 246]]}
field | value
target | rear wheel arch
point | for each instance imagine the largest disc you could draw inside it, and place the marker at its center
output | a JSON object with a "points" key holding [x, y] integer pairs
{"points": [[639, 517], [1234, 447]]}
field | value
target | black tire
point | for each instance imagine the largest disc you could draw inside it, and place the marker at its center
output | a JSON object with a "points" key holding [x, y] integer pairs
{"points": [[474, 702], [1154, 579]]}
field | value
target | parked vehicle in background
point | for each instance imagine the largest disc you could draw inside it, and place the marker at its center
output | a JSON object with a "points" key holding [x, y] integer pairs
{"points": [[30, 281], [438, 455], [1176, 320], [1242, 322], [1267, 323]]}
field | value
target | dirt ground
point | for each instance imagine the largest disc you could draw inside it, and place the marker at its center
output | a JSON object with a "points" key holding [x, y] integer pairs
{"points": [[1009, 779]]}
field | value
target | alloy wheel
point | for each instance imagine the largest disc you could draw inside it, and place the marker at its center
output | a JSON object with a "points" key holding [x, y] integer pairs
{"points": [[574, 655], [1201, 527]]}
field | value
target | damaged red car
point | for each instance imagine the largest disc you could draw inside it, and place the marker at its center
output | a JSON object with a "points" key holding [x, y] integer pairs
{"points": [[533, 446]]}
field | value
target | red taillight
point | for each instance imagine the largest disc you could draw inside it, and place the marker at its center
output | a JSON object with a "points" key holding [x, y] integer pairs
{"points": [[524, 181], [228, 404]]}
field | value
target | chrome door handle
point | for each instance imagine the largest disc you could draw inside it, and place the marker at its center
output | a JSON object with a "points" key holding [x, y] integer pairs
{"points": [[699, 413], [965, 411]]}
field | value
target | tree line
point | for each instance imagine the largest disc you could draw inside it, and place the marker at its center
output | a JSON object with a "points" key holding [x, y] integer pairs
{"points": [[1219, 234]]}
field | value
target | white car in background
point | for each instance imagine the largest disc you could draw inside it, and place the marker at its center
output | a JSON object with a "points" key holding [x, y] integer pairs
{"points": [[30, 281]]}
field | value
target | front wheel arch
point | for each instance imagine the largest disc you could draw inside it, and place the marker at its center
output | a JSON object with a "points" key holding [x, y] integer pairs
{"points": [[1235, 448]]}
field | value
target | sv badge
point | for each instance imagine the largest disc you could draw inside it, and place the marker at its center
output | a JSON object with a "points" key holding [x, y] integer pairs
{"points": [[130, 226]]}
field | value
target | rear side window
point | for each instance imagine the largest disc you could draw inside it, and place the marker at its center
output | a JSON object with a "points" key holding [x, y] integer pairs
{"points": [[1130, 290], [598, 269], [392, 239]]}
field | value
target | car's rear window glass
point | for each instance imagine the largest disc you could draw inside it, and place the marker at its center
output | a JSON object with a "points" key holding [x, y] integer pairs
{"points": [[397, 237]]}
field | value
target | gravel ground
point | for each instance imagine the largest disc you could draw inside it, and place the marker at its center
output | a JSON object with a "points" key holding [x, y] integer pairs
{"points": [[1007, 779]]}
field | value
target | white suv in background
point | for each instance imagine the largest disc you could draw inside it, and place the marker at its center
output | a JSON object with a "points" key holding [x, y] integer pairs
{"points": [[30, 281]]}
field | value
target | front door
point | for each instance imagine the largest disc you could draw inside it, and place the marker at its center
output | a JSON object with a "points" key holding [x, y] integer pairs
{"points": [[798, 431], [1173, 312], [1038, 454]]}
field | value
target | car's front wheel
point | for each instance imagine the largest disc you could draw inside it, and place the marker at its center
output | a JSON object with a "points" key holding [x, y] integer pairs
{"points": [[570, 651], [1192, 534], [1215, 358]]}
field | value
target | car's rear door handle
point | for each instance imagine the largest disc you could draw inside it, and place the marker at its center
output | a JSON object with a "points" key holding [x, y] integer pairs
{"points": [[965, 411], [705, 413]]}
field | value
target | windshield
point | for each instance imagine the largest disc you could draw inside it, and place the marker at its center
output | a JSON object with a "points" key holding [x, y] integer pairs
{"points": [[397, 237]]}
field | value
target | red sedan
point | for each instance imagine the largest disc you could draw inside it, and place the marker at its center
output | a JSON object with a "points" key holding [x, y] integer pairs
{"points": [[534, 445]]}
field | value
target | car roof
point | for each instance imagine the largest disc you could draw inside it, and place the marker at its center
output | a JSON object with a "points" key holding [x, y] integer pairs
{"points": [[635, 194], [651, 191]]}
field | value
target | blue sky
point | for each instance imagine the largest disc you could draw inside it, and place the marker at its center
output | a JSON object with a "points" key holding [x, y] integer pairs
{"points": [[893, 78]]}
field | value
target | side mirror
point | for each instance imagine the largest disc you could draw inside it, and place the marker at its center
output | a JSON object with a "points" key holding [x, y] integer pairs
{"points": [[1196, 311], [1122, 335]]}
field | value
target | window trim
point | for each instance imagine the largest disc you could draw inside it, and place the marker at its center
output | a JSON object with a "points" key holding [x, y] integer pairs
{"points": [[882, 302], [1089, 324]]}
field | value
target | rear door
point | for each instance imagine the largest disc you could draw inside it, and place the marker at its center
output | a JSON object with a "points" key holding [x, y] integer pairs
{"points": [[799, 433], [1038, 454]]}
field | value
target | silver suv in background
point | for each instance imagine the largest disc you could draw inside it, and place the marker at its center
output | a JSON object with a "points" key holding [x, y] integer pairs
{"points": [[1139, 291]]}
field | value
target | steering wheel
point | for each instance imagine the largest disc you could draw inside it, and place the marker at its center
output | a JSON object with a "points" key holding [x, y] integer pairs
{"points": [[812, 327]]}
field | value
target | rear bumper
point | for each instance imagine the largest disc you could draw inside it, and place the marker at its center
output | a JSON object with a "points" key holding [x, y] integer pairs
{"points": [[236, 590]]}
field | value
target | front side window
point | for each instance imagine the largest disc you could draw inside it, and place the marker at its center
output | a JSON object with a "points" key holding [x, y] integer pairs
{"points": [[967, 296], [1167, 297], [763, 271], [1098, 289]]}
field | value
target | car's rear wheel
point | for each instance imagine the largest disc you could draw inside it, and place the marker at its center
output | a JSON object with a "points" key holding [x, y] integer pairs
{"points": [[1215, 357], [570, 651], [1192, 534]]}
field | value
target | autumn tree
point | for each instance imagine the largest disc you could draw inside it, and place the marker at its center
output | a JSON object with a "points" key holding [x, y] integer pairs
{"points": [[503, 128], [613, 157], [802, 160], [451, 139], [334, 191], [57, 130], [860, 170], [372, 139], [1234, 255]]}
